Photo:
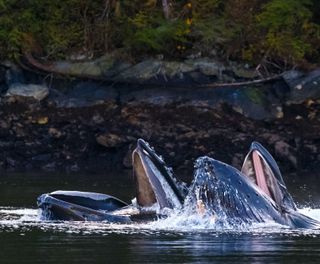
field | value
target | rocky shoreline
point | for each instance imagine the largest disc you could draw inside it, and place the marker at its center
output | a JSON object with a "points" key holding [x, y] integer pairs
{"points": [[63, 124]]}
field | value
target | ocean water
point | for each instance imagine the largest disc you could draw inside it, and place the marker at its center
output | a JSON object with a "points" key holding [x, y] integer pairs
{"points": [[180, 238]]}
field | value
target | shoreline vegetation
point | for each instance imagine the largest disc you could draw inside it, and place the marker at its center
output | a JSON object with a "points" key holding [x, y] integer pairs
{"points": [[270, 36]]}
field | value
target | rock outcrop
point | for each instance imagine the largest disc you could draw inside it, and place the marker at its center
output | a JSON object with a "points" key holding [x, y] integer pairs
{"points": [[35, 91]]}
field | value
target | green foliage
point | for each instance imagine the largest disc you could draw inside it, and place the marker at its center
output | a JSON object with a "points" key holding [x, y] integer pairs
{"points": [[154, 34], [209, 29], [251, 30], [279, 15], [286, 25], [51, 24]]}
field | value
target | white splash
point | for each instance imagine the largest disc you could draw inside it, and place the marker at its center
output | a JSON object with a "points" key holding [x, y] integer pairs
{"points": [[27, 219], [313, 213]]}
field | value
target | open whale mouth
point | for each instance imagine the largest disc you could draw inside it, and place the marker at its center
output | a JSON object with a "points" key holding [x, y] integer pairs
{"points": [[154, 181], [258, 170], [264, 172]]}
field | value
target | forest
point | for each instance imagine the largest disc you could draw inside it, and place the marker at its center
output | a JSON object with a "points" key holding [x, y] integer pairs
{"points": [[275, 33]]}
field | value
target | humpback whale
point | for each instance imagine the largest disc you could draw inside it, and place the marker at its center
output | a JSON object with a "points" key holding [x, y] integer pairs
{"points": [[156, 189], [256, 194], [232, 197]]}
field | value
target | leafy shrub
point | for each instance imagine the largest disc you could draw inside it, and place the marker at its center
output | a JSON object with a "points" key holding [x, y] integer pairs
{"points": [[251, 30], [288, 29], [154, 34]]}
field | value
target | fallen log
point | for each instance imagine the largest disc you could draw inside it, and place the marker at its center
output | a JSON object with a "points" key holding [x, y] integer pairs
{"points": [[245, 83]]}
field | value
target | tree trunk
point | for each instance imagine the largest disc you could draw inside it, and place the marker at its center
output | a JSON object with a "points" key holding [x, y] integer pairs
{"points": [[166, 8]]}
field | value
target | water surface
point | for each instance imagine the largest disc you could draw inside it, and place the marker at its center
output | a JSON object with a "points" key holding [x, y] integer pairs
{"points": [[25, 238]]}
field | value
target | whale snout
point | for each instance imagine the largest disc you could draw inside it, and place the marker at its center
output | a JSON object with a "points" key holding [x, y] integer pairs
{"points": [[41, 199]]}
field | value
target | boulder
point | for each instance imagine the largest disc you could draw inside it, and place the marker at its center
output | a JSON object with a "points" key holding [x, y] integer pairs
{"points": [[191, 72], [248, 101], [302, 86], [253, 102], [81, 69], [35, 91], [175, 69], [116, 68], [140, 72], [84, 94], [206, 66], [244, 73], [94, 69], [147, 71], [14, 74]]}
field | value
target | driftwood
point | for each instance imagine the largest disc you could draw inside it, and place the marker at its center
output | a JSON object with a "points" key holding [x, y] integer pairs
{"points": [[38, 65], [239, 84], [51, 68]]}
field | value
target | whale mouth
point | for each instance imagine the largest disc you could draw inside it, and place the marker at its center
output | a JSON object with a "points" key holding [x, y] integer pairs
{"points": [[260, 167], [260, 173], [154, 181]]}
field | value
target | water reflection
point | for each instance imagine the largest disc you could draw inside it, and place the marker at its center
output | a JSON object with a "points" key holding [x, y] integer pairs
{"points": [[67, 242], [212, 248]]}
